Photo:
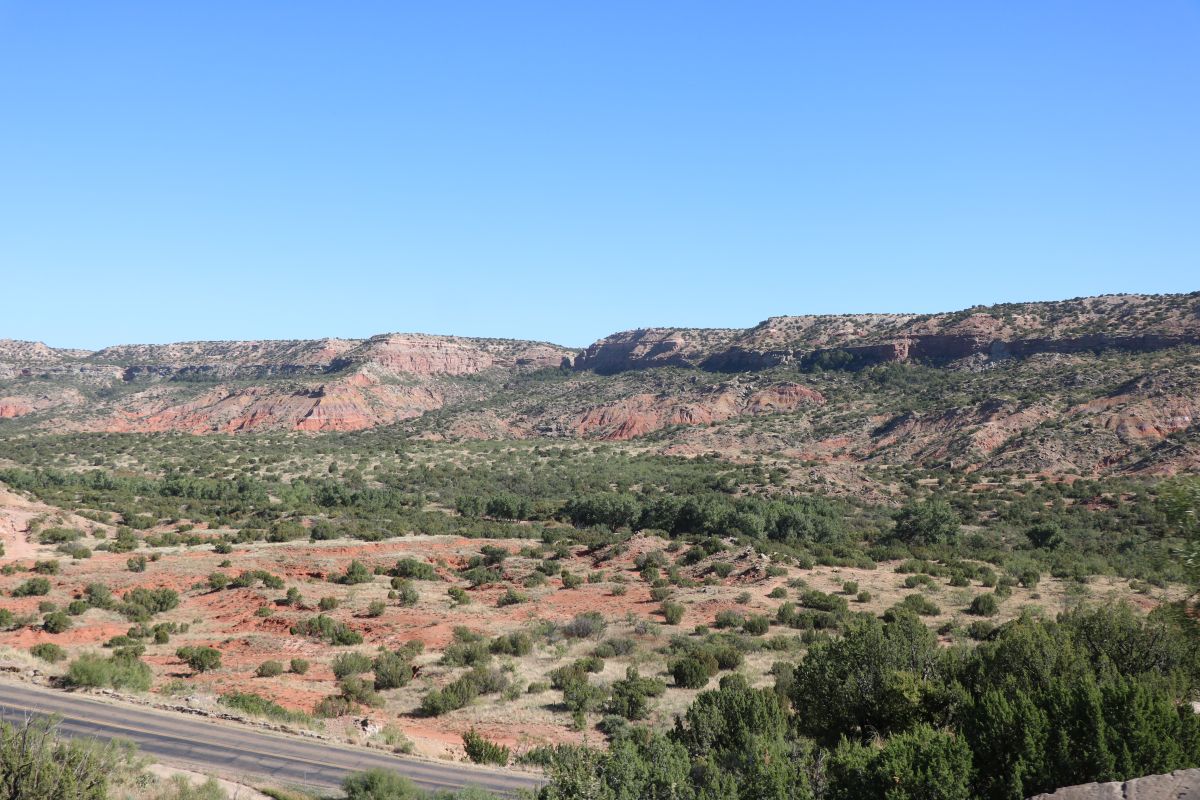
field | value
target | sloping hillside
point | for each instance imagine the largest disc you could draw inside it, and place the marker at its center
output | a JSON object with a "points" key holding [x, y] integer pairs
{"points": [[1089, 386]]}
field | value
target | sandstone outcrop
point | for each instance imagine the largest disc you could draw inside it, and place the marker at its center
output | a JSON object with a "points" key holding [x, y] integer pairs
{"points": [[1178, 785], [1080, 387], [230, 387], [644, 413], [1137, 323]]}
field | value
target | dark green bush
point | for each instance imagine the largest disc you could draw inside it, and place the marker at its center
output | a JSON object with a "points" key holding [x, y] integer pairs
{"points": [[693, 671], [414, 570], [200, 659], [33, 587], [482, 751], [48, 651], [984, 605]]}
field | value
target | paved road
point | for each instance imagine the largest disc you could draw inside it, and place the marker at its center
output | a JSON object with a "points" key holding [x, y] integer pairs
{"points": [[230, 751]]}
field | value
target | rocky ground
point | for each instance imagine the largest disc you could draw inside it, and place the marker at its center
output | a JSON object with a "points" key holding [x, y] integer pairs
{"points": [[1178, 785]]}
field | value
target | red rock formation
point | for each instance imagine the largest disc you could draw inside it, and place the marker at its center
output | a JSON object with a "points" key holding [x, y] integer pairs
{"points": [[1120, 322], [21, 405], [11, 407], [418, 354], [341, 406], [643, 413], [652, 347]]}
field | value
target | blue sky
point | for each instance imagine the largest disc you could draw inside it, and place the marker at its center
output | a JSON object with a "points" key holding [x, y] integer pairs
{"points": [[559, 171]]}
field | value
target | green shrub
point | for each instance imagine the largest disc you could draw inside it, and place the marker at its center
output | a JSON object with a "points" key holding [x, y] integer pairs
{"points": [[466, 649], [722, 569], [406, 592], [98, 595], [518, 643], [913, 581], [511, 598], [588, 625], [352, 663], [392, 670], [140, 604], [37, 764], [48, 651], [33, 587], [812, 598], [921, 764], [59, 535], [462, 691], [117, 672], [482, 751], [919, 604], [984, 605], [927, 522], [259, 706], [728, 619], [672, 612], [357, 690], [980, 629], [269, 669], [630, 697], [693, 671], [379, 784], [415, 570], [56, 622], [332, 706], [356, 573], [200, 659], [328, 630]]}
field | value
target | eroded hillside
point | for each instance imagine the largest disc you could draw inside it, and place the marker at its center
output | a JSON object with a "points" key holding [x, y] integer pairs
{"points": [[1092, 386]]}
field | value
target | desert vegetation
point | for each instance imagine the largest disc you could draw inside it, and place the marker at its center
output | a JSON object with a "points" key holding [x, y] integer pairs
{"points": [[711, 611]]}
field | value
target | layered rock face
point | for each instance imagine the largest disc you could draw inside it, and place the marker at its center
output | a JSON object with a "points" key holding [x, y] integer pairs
{"points": [[230, 387], [654, 347], [339, 406], [418, 354], [643, 413], [1178, 785], [1120, 322], [1081, 387]]}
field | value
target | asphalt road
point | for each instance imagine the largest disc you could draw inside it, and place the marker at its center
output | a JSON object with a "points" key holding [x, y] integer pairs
{"points": [[231, 752]]}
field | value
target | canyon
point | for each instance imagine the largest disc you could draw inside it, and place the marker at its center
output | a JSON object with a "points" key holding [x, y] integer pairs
{"points": [[1087, 386]]}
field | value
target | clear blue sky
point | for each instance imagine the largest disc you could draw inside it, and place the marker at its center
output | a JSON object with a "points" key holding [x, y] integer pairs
{"points": [[558, 170]]}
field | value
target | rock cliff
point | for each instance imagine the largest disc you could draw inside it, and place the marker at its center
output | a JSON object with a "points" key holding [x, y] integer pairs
{"points": [[1088, 386], [1136, 323]]}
